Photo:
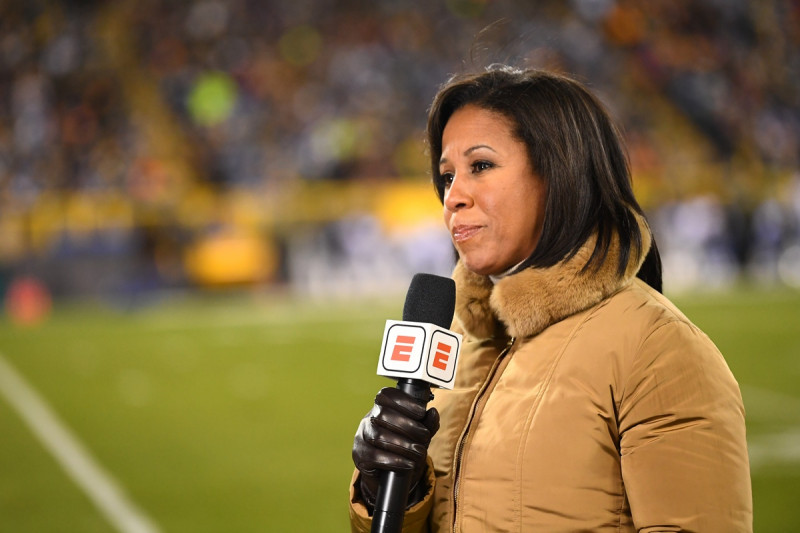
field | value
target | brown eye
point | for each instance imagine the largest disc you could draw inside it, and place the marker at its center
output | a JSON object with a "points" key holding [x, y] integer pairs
{"points": [[447, 178], [480, 166]]}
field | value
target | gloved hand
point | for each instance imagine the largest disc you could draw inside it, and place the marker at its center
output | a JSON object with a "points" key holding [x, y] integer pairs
{"points": [[394, 435]]}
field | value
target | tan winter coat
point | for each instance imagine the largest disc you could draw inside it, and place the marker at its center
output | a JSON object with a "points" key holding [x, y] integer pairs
{"points": [[582, 403]]}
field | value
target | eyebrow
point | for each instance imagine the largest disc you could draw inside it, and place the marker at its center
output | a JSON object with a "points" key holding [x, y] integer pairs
{"points": [[469, 151]]}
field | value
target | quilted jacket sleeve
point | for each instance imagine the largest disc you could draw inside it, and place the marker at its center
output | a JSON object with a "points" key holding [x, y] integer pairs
{"points": [[682, 436], [415, 521]]}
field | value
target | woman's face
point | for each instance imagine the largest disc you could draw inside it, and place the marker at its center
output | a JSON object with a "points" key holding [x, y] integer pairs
{"points": [[493, 200]]}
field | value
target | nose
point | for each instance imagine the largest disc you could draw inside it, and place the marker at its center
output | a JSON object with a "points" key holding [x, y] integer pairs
{"points": [[457, 195]]}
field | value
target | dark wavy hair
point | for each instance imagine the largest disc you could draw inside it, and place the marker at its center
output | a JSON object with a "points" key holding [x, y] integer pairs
{"points": [[576, 149]]}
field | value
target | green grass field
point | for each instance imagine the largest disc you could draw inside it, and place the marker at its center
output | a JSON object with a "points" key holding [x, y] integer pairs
{"points": [[236, 413]]}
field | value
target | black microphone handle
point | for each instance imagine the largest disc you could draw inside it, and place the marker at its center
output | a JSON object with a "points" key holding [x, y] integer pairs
{"points": [[392, 498]]}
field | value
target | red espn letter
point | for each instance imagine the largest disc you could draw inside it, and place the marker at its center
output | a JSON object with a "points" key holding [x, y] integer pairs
{"points": [[442, 356], [402, 348]]}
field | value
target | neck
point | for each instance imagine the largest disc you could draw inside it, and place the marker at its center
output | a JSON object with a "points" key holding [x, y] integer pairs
{"points": [[497, 277]]}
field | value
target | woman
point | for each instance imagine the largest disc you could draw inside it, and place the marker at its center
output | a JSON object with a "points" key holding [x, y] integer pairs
{"points": [[584, 400]]}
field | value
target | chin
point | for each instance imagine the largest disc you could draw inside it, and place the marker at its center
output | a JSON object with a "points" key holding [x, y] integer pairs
{"points": [[482, 269]]}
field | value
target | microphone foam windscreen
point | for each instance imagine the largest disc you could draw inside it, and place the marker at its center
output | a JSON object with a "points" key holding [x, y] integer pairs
{"points": [[430, 299]]}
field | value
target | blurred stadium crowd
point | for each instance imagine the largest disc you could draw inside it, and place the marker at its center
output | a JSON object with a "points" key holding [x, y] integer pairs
{"points": [[151, 144]]}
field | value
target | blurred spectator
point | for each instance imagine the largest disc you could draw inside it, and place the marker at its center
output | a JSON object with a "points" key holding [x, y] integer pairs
{"points": [[126, 119]]}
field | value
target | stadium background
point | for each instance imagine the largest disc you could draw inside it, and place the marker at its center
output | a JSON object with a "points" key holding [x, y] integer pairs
{"points": [[194, 194]]}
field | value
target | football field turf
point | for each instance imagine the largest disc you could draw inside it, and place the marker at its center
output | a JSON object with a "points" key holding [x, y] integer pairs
{"points": [[236, 413]]}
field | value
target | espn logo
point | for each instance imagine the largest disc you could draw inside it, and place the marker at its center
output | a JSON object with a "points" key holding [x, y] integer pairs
{"points": [[420, 351], [403, 346], [441, 356]]}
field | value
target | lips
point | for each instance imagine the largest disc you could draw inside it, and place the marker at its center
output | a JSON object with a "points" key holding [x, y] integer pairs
{"points": [[464, 232]]}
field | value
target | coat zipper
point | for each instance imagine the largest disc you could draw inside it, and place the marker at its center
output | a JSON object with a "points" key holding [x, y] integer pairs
{"points": [[463, 440]]}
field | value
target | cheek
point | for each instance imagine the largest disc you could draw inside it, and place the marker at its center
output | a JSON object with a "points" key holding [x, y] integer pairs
{"points": [[524, 215], [503, 208], [536, 210]]}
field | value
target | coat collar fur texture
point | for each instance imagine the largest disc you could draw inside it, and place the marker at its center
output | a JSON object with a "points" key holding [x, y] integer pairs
{"points": [[525, 303]]}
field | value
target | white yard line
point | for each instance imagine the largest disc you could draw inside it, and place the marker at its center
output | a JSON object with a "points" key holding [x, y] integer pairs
{"points": [[73, 457], [781, 447], [776, 449]]}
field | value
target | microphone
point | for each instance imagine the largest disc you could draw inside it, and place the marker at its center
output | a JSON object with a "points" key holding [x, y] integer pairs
{"points": [[420, 352]]}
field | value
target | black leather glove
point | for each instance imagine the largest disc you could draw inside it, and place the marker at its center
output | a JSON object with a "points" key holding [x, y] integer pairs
{"points": [[394, 435]]}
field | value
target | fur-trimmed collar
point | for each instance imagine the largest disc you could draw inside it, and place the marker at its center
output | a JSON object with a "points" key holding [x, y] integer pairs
{"points": [[525, 303]]}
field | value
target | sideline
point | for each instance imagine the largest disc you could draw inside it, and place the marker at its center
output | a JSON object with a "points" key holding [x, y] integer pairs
{"points": [[73, 457]]}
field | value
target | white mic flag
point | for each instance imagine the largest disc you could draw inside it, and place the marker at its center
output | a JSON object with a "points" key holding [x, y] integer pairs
{"points": [[419, 350]]}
